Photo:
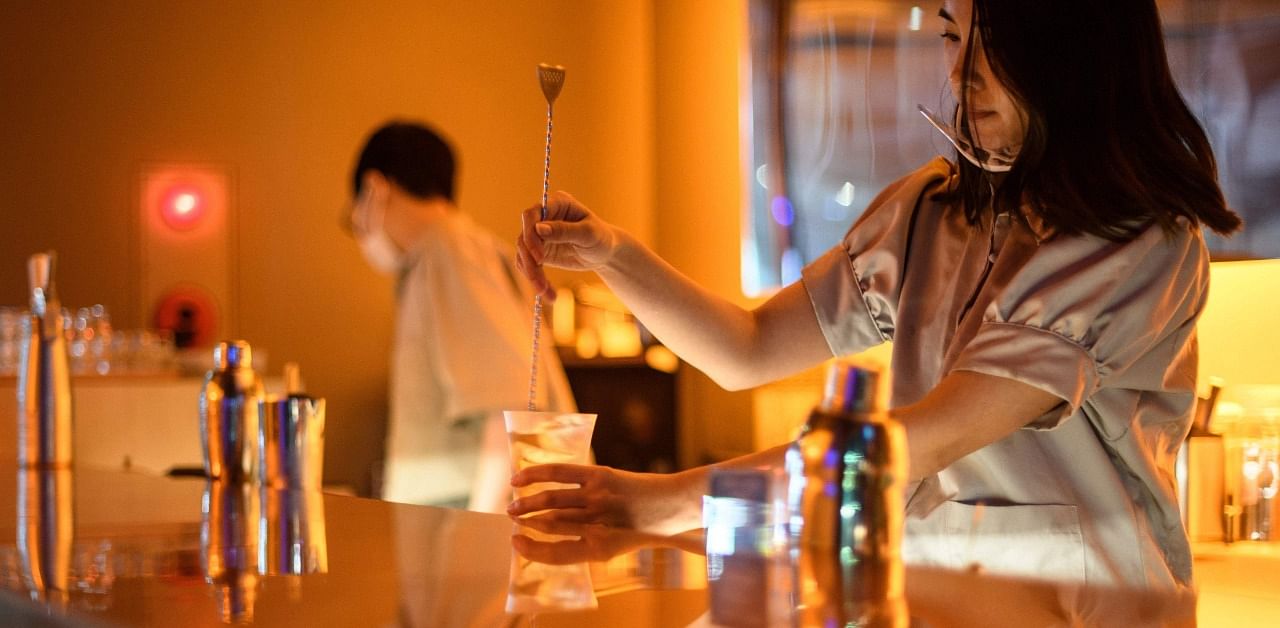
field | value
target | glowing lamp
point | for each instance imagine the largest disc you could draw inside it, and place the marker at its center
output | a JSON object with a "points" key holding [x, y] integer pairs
{"points": [[563, 326], [619, 338], [183, 207]]}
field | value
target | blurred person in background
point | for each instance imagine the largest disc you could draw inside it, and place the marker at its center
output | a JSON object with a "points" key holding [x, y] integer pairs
{"points": [[463, 329]]}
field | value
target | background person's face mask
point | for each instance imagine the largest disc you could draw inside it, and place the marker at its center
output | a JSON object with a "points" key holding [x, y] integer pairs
{"points": [[379, 250]]}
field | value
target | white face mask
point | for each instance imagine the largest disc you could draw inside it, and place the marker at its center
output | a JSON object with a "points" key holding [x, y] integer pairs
{"points": [[378, 249]]}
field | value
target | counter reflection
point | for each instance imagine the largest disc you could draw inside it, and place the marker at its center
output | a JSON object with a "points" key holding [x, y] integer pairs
{"points": [[46, 525], [273, 557], [555, 583], [756, 585], [247, 531]]}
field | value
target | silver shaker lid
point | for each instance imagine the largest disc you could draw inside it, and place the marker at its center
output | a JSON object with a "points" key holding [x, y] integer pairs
{"points": [[40, 277], [851, 388], [231, 354]]}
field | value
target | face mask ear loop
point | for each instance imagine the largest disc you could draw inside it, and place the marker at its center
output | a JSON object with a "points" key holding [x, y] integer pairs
{"points": [[377, 210], [371, 204]]}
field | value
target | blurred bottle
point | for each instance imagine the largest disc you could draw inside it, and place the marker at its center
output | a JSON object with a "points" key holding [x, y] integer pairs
{"points": [[44, 377], [1260, 482], [1249, 420], [230, 414], [292, 442], [229, 535], [735, 515], [846, 474], [45, 529], [291, 526]]}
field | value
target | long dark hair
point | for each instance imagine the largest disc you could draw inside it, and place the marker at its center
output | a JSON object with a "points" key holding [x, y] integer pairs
{"points": [[1110, 145]]}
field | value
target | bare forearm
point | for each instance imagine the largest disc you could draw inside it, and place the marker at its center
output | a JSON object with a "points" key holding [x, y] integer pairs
{"points": [[687, 487], [771, 458], [737, 348], [964, 413], [707, 331]]}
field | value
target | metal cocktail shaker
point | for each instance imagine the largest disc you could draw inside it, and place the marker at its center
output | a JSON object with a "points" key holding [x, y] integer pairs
{"points": [[846, 475], [291, 531], [230, 414], [292, 443], [44, 378], [229, 536]]}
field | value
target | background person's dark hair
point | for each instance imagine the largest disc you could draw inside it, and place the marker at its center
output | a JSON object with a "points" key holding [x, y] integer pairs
{"points": [[1110, 144], [413, 156]]}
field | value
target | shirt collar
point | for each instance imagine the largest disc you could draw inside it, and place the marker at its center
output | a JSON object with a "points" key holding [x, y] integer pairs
{"points": [[1039, 228]]}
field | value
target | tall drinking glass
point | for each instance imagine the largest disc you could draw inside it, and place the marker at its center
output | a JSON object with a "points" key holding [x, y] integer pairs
{"points": [[547, 437], [538, 587]]}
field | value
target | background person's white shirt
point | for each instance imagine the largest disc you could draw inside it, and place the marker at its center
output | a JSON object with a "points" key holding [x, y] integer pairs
{"points": [[461, 353]]}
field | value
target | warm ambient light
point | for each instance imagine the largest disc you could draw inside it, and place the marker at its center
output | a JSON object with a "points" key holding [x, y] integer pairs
{"points": [[185, 203], [619, 338], [845, 196], [661, 358], [917, 16], [563, 326], [182, 207]]}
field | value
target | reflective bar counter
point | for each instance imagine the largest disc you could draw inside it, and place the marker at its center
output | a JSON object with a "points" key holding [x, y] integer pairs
{"points": [[96, 548]]}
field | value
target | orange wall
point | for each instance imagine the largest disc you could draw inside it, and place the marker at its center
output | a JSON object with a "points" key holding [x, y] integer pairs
{"points": [[284, 92], [646, 133], [697, 189], [1239, 331]]}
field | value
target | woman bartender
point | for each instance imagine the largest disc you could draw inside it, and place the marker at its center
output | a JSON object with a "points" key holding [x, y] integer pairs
{"points": [[1043, 319]]}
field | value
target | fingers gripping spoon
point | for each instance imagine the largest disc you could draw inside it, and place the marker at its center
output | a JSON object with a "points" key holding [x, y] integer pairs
{"points": [[551, 78]]}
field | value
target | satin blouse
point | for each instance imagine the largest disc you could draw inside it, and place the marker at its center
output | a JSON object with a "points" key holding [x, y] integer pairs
{"points": [[1087, 491]]}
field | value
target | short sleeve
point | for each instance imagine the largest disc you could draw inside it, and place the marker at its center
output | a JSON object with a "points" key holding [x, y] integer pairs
{"points": [[1084, 313], [476, 328], [854, 287]]}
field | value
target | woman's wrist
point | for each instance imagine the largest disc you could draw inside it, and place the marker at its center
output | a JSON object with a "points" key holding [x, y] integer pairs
{"points": [[687, 490], [622, 255]]}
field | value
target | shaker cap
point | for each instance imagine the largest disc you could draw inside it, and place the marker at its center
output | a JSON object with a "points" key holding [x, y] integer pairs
{"points": [[232, 354], [851, 387], [40, 268]]}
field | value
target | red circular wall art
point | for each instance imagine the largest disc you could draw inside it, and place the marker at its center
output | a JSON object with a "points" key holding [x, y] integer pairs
{"points": [[190, 312]]}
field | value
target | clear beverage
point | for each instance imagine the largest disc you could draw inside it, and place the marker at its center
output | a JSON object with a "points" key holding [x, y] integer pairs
{"points": [[547, 437], [536, 587]]}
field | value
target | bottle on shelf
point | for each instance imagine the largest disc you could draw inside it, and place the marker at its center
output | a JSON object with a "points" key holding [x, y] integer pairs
{"points": [[45, 413]]}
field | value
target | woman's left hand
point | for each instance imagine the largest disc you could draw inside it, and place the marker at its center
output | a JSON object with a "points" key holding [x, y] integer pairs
{"points": [[649, 502], [553, 542]]}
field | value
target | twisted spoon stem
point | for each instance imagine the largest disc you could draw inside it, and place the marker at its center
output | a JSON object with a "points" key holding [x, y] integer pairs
{"points": [[537, 300]]}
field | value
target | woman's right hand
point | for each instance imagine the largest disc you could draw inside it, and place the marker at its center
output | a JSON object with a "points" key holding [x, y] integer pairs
{"points": [[655, 503], [571, 237]]}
